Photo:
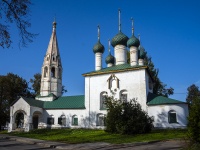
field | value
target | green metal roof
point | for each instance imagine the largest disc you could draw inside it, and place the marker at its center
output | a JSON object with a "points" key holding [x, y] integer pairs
{"points": [[65, 102], [33, 102], [153, 99], [113, 69]]}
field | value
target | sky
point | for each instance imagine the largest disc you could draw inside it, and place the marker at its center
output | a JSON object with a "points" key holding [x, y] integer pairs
{"points": [[169, 29]]}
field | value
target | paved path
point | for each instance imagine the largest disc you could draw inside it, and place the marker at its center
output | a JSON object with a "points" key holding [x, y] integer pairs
{"points": [[6, 144], [12, 143]]}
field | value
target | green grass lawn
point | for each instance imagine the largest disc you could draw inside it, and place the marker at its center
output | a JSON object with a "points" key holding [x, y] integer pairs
{"points": [[88, 135]]}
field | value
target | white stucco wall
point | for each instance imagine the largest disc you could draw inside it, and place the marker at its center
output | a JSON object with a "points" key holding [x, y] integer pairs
{"points": [[132, 81], [160, 115], [82, 115], [20, 106]]}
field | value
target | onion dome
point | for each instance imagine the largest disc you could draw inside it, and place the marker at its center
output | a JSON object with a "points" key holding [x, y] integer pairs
{"points": [[133, 41], [98, 47], [141, 52], [110, 59], [119, 39]]}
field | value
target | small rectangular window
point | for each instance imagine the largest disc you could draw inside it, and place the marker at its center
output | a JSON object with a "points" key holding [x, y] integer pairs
{"points": [[172, 118], [50, 121], [61, 121], [75, 121]]}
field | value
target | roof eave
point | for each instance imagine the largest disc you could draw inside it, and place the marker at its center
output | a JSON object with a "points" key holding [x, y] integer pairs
{"points": [[166, 104], [114, 71]]}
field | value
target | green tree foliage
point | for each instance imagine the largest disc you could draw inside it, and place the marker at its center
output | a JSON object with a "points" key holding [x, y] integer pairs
{"points": [[15, 12], [193, 99], [194, 120], [36, 81], [11, 88], [127, 117], [159, 88], [193, 91]]}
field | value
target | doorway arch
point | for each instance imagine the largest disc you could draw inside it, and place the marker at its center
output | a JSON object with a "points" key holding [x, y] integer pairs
{"points": [[35, 119], [19, 119]]}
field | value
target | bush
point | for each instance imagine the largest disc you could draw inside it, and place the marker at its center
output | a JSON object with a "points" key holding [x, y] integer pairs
{"points": [[126, 117]]}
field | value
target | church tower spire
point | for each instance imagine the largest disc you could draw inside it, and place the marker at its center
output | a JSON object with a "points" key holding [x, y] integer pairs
{"points": [[51, 79]]}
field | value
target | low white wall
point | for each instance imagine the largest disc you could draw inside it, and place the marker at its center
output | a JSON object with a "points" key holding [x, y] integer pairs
{"points": [[160, 115]]}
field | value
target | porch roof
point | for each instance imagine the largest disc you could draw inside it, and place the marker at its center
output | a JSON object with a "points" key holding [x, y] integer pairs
{"points": [[65, 102], [154, 99]]}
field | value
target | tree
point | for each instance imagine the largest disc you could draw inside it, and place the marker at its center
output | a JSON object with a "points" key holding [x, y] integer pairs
{"points": [[194, 115], [193, 91], [17, 12], [126, 117], [36, 82], [11, 88]]}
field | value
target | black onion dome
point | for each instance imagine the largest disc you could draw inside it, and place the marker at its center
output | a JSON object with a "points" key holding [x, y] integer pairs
{"points": [[110, 59], [119, 39], [133, 41], [98, 48]]}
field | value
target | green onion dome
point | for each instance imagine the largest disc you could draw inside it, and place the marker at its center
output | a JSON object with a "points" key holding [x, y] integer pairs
{"points": [[110, 59], [133, 41], [98, 47], [119, 39], [141, 52]]}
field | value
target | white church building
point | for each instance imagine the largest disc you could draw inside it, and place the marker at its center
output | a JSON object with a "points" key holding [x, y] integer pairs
{"points": [[119, 79]]}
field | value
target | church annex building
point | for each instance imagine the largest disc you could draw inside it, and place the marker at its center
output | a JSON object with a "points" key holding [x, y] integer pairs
{"points": [[119, 79]]}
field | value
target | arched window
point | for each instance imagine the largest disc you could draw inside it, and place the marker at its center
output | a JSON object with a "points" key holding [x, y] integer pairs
{"points": [[123, 95], [75, 120], [45, 71], [50, 120], [103, 96], [59, 73], [100, 120], [62, 120], [53, 72], [172, 118], [53, 58]]}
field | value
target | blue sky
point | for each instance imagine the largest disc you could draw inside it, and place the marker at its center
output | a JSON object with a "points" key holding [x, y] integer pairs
{"points": [[169, 29]]}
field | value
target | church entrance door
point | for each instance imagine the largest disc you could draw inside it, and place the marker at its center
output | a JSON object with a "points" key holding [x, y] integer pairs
{"points": [[35, 122]]}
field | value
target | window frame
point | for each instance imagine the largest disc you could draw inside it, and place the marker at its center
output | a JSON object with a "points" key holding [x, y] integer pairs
{"points": [[103, 96], [75, 123], [49, 120], [124, 93], [172, 116], [101, 122]]}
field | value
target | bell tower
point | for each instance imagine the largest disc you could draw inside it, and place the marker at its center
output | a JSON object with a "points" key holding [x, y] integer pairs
{"points": [[51, 79]]}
